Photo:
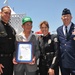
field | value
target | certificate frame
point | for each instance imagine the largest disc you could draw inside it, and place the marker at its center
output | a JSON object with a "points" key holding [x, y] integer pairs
{"points": [[23, 52]]}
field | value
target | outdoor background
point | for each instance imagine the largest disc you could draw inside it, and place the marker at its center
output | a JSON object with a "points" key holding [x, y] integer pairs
{"points": [[40, 10]]}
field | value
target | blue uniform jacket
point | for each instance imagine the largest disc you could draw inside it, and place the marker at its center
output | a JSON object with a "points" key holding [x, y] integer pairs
{"points": [[67, 47]]}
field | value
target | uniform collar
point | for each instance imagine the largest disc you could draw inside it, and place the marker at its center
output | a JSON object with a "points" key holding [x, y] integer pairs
{"points": [[4, 23], [46, 35], [68, 28]]}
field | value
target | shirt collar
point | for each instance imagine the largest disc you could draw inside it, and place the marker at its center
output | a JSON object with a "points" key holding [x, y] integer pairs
{"points": [[24, 38], [68, 27], [4, 23]]}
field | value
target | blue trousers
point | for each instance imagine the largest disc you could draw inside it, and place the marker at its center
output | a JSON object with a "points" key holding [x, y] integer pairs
{"points": [[67, 71]]}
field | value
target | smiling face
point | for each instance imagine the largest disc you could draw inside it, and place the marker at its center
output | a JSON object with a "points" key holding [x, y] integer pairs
{"points": [[44, 27], [5, 14], [66, 19], [27, 26]]}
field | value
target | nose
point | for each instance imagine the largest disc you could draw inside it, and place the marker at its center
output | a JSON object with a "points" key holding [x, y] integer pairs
{"points": [[65, 17]]}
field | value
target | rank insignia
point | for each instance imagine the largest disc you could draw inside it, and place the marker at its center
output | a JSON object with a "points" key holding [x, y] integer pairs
{"points": [[49, 41], [55, 40]]}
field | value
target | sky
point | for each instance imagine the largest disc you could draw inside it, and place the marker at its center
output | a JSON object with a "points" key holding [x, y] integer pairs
{"points": [[40, 10]]}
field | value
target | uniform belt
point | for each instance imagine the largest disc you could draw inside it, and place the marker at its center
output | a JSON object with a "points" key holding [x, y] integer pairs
{"points": [[49, 53], [5, 55]]}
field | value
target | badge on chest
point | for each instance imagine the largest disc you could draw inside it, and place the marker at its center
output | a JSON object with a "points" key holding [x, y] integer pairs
{"points": [[49, 41]]}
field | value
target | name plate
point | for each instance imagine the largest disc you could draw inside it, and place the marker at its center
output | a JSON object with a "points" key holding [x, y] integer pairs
{"points": [[24, 52]]}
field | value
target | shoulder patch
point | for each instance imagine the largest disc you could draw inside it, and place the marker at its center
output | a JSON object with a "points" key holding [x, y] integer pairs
{"points": [[55, 40]]}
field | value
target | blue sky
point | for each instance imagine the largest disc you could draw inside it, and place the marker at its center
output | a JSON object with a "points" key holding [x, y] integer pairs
{"points": [[40, 10]]}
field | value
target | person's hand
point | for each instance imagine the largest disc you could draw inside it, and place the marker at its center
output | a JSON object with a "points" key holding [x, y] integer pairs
{"points": [[1, 66], [51, 71], [33, 61], [14, 61]]}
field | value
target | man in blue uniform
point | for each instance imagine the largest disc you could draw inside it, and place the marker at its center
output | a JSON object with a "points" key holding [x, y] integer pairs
{"points": [[66, 36]]}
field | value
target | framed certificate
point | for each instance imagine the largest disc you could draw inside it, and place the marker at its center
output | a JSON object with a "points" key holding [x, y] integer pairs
{"points": [[24, 52]]}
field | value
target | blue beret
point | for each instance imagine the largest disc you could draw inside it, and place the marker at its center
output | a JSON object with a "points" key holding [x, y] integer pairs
{"points": [[66, 11]]}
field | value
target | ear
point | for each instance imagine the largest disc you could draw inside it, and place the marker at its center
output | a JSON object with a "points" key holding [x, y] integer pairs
{"points": [[1, 13], [32, 26], [22, 26], [71, 17]]}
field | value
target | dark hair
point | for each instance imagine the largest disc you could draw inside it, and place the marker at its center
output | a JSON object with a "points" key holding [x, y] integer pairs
{"points": [[5, 7], [44, 22]]}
